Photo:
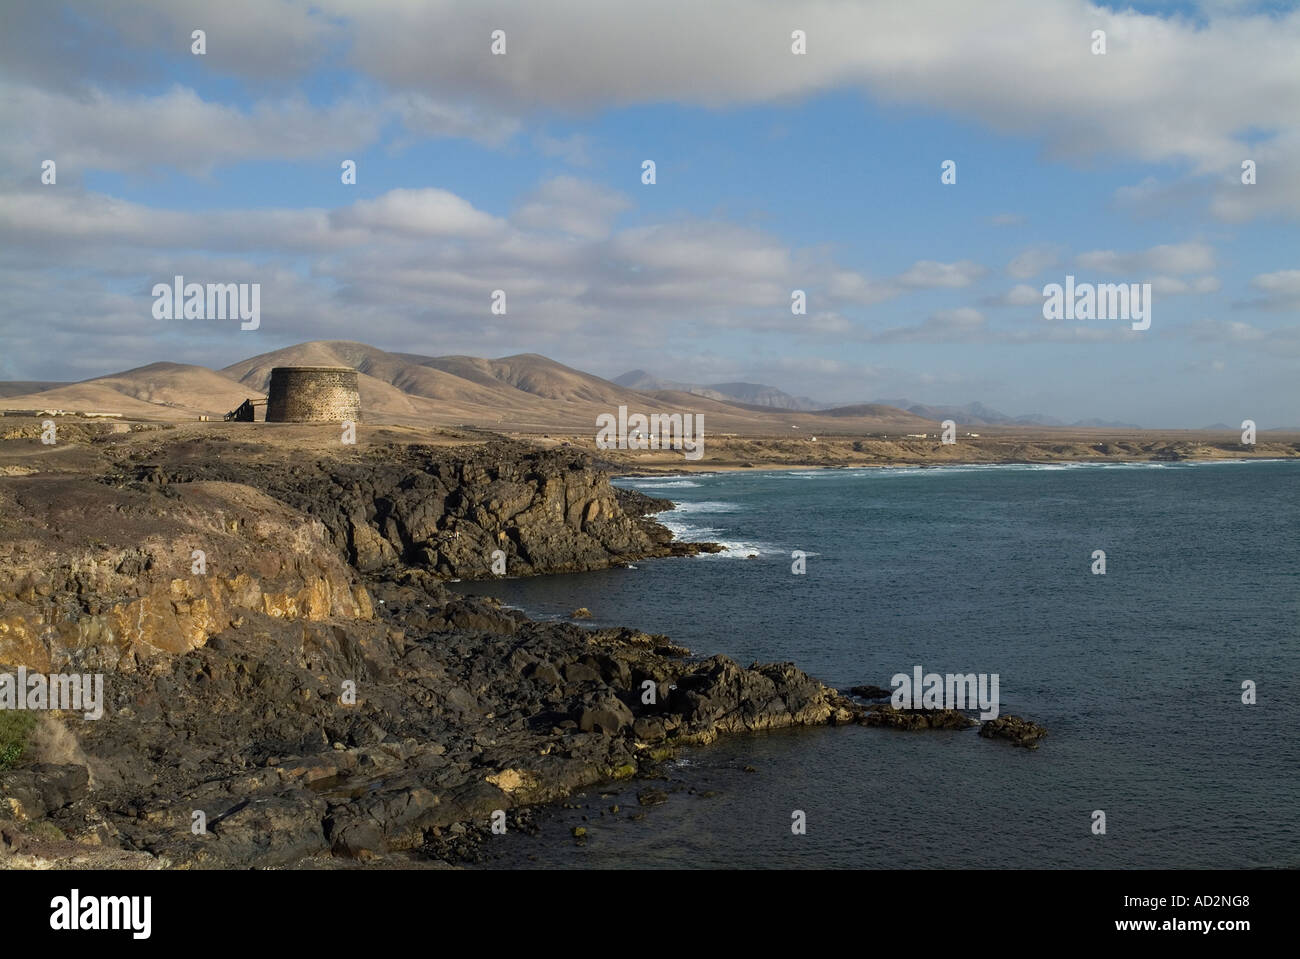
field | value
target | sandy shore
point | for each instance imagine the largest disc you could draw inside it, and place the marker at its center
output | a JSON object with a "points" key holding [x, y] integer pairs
{"points": [[734, 453], [721, 452]]}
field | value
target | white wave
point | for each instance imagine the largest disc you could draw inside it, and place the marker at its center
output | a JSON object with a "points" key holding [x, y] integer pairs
{"points": [[1092, 465], [738, 550], [706, 506], [662, 484], [855, 471], [693, 533], [884, 472]]}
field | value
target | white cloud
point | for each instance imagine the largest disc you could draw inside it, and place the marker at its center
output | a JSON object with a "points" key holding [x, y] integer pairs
{"points": [[85, 42], [574, 149], [1033, 261], [1282, 283], [944, 326], [1170, 87], [962, 318], [572, 206], [930, 274], [1177, 258], [704, 249], [1019, 295], [852, 287], [1283, 340], [1276, 190], [1281, 289], [96, 130], [1174, 286], [421, 114], [415, 263], [423, 212]]}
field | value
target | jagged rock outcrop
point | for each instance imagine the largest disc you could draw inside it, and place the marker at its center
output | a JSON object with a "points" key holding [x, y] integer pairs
{"points": [[95, 577], [316, 690], [42, 789], [911, 719], [1020, 732], [448, 725], [448, 510]]}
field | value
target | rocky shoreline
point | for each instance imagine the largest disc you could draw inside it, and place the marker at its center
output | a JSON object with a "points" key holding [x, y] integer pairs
{"points": [[994, 446], [308, 693]]}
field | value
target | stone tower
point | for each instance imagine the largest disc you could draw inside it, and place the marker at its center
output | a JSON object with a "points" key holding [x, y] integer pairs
{"points": [[313, 394]]}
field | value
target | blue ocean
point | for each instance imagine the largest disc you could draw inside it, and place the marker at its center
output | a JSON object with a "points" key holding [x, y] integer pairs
{"points": [[1137, 674]]}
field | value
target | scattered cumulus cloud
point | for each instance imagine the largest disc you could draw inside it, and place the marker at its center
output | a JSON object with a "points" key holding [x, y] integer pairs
{"points": [[1033, 261], [1174, 259], [932, 274], [571, 206], [1019, 295]]}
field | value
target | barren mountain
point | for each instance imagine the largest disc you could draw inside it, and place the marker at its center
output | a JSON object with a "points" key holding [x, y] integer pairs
{"points": [[178, 385], [23, 387], [751, 394], [523, 393], [885, 415], [977, 414]]}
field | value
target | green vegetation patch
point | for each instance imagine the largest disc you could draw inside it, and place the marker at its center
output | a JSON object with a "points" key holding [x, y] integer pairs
{"points": [[15, 727]]}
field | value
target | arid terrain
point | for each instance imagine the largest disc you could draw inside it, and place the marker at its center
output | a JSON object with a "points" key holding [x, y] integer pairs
{"points": [[526, 393], [443, 400], [287, 680]]}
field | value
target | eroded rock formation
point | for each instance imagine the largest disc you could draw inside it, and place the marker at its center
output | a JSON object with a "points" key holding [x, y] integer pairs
{"points": [[316, 690]]}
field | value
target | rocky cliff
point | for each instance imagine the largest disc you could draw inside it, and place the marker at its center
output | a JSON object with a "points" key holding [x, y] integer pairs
{"points": [[447, 512], [96, 577], [311, 689]]}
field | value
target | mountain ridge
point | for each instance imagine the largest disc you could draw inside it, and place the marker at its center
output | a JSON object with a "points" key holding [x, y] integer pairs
{"points": [[524, 392], [760, 394]]}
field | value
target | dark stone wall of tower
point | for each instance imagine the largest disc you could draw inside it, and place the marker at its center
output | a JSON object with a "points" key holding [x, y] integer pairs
{"points": [[312, 395]]}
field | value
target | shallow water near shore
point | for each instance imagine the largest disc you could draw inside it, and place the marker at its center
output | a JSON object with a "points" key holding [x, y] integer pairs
{"points": [[1136, 674]]}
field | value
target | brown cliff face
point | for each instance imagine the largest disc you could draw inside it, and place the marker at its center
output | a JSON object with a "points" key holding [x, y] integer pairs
{"points": [[448, 510], [94, 577], [302, 717]]}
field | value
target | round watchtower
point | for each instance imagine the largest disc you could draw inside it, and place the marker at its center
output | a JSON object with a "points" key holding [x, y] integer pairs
{"points": [[313, 394]]}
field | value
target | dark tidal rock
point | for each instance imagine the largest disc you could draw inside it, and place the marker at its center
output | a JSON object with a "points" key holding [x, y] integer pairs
{"points": [[911, 719], [1019, 732]]}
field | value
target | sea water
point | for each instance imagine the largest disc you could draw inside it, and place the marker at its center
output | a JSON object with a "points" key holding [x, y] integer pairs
{"points": [[1137, 673]]}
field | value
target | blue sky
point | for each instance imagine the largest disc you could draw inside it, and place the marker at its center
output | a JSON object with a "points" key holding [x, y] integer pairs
{"points": [[774, 171]]}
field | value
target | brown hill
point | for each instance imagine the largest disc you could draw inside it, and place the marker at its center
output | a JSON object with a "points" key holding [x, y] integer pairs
{"points": [[24, 387], [93, 398], [168, 391], [522, 393], [188, 388], [886, 415], [255, 372], [536, 375]]}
